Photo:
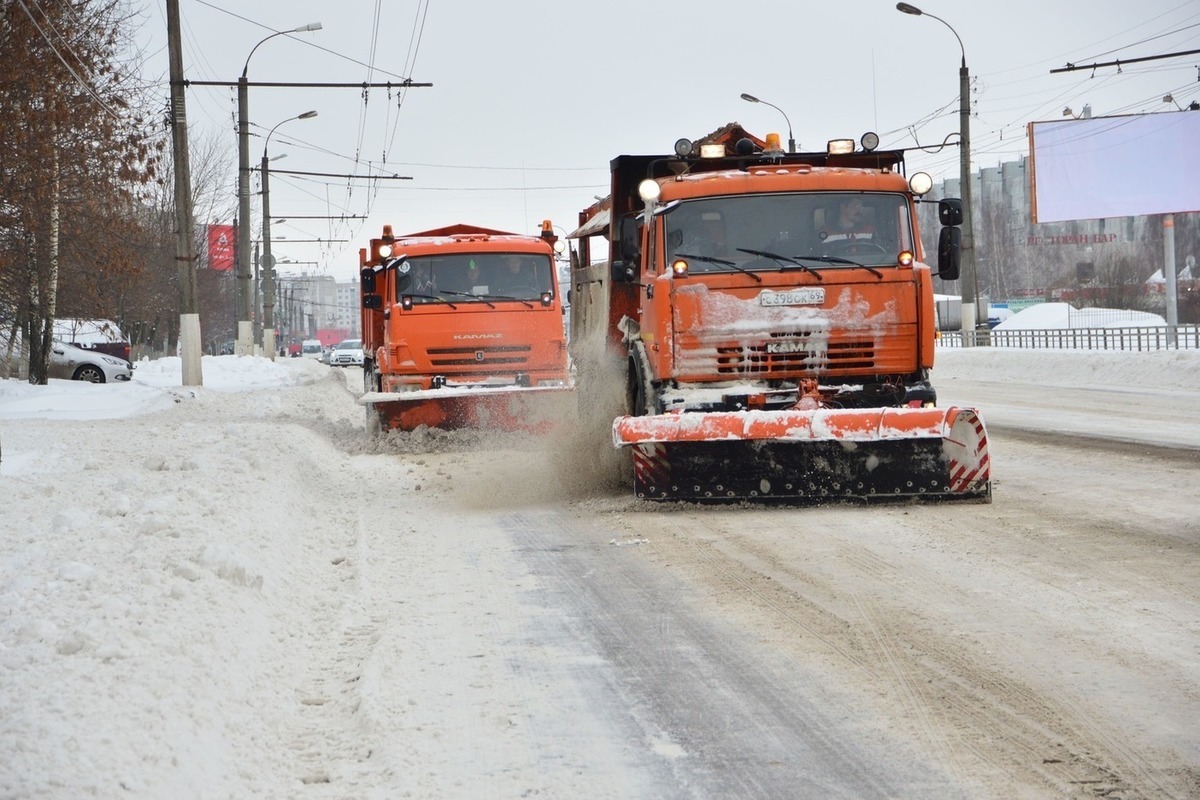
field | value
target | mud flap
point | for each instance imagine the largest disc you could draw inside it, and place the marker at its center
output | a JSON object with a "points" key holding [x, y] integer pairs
{"points": [[812, 456]]}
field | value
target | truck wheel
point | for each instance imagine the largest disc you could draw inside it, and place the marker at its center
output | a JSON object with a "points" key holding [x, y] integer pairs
{"points": [[373, 383], [643, 399]]}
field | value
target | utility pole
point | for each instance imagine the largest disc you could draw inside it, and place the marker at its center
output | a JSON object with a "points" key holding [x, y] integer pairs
{"points": [[189, 318], [256, 306], [244, 343], [970, 265], [245, 332], [1169, 276], [268, 261]]}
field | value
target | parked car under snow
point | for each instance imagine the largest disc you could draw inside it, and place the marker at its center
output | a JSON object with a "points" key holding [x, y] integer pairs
{"points": [[77, 364]]}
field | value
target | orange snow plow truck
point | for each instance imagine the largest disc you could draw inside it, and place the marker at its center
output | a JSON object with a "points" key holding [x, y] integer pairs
{"points": [[772, 321], [462, 327]]}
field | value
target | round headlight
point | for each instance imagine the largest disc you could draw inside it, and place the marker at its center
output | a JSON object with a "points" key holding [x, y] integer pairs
{"points": [[649, 190], [683, 147], [869, 140], [920, 183], [385, 250]]}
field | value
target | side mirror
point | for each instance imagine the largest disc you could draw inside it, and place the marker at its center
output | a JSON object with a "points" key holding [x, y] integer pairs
{"points": [[623, 272], [950, 211], [630, 249], [368, 280], [949, 253], [372, 301]]}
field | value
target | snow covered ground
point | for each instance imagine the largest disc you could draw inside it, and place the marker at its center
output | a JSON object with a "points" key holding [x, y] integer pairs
{"points": [[156, 542]]}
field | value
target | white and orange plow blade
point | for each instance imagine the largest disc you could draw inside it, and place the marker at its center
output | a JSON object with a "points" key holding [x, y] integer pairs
{"points": [[821, 454]]}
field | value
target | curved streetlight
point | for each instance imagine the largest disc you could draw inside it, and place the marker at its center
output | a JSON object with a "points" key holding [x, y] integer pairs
{"points": [[245, 331], [749, 98], [970, 298], [268, 263]]}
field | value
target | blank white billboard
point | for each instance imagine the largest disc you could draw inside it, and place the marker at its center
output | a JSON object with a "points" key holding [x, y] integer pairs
{"points": [[1115, 166]]}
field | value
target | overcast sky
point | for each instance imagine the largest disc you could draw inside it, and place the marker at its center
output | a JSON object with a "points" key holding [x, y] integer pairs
{"points": [[530, 99]]}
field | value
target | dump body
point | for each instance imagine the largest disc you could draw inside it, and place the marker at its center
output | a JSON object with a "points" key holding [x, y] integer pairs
{"points": [[779, 304], [462, 327]]}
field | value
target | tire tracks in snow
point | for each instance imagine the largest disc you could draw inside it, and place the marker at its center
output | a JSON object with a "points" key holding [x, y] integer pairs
{"points": [[966, 712]]}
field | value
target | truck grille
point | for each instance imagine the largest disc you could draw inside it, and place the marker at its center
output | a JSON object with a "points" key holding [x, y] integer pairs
{"points": [[780, 355], [791, 355], [506, 355]]}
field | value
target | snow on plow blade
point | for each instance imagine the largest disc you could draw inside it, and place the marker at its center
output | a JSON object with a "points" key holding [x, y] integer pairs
{"points": [[821, 455], [509, 408]]}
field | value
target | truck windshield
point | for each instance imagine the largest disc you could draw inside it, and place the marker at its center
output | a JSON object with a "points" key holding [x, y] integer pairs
{"points": [[815, 230], [482, 277]]}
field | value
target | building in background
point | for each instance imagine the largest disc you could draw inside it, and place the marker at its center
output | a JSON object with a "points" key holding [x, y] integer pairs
{"points": [[316, 307]]}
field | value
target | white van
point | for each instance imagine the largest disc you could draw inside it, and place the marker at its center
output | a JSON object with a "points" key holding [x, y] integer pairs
{"points": [[311, 348]]}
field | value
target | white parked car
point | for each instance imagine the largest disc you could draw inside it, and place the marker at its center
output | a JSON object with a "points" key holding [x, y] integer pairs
{"points": [[76, 364], [345, 353]]}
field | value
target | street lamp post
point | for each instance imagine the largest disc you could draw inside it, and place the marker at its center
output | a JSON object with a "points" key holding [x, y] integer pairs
{"points": [[268, 263], [970, 298], [749, 98], [245, 331]]}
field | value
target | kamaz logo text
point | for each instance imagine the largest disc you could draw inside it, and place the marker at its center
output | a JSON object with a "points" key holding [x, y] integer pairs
{"points": [[479, 336], [787, 347]]}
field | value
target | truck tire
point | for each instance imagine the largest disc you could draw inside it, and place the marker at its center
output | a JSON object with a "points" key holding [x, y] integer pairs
{"points": [[643, 398], [372, 383]]}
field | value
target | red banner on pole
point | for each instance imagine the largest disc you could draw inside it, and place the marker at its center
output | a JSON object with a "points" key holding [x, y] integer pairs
{"points": [[220, 247]]}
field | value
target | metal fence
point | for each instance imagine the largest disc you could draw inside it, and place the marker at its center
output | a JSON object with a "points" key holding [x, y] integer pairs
{"points": [[1184, 337]]}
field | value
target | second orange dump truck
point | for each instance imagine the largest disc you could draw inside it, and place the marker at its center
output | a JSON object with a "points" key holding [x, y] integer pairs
{"points": [[462, 326]]}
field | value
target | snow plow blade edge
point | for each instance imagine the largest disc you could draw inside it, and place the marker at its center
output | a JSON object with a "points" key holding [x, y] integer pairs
{"points": [[821, 455]]}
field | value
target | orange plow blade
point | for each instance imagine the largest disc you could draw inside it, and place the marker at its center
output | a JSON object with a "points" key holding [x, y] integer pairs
{"points": [[819, 455], [527, 410]]}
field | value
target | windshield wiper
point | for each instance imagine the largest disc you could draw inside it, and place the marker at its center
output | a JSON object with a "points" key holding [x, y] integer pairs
{"points": [[779, 259], [840, 260], [429, 297], [724, 262], [484, 298], [507, 297]]}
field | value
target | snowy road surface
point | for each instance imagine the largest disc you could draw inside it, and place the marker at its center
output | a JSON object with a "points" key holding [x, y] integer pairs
{"points": [[238, 594]]}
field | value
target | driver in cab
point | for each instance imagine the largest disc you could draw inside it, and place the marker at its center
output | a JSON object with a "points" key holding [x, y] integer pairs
{"points": [[849, 223], [515, 275]]}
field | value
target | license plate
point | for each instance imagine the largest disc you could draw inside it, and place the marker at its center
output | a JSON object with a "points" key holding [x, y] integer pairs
{"points": [[812, 296]]}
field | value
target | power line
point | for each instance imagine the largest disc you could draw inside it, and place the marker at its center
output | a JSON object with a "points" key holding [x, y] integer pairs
{"points": [[84, 84], [302, 41], [344, 175]]}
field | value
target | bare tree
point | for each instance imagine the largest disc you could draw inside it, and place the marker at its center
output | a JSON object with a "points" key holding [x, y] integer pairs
{"points": [[76, 145]]}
